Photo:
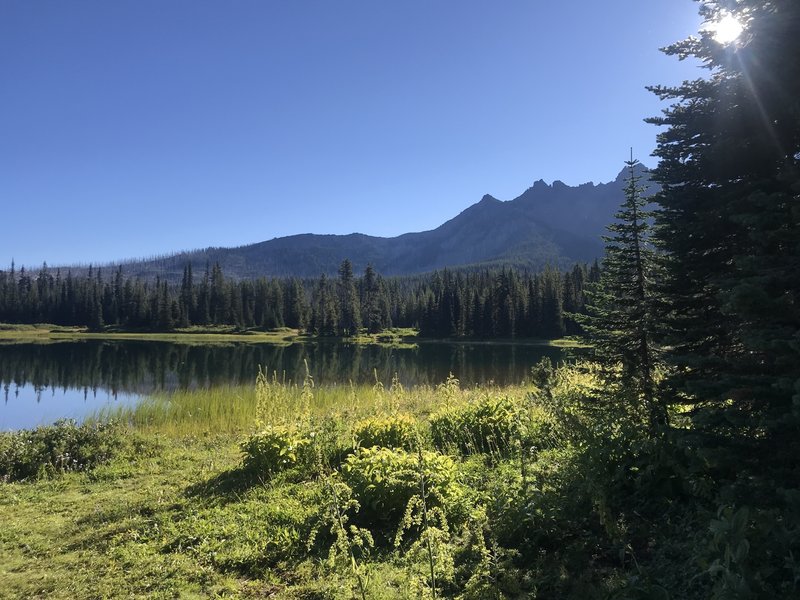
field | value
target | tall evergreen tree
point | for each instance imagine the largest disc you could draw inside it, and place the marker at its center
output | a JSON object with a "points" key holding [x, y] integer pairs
{"points": [[219, 296], [325, 316], [12, 296], [296, 306], [187, 296], [203, 312], [370, 300], [730, 224], [620, 321], [350, 315], [164, 316], [552, 316]]}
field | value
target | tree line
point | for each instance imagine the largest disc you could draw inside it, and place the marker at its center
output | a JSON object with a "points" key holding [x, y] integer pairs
{"points": [[481, 303]]}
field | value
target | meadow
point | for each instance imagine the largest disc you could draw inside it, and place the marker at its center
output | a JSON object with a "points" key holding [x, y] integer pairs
{"points": [[539, 490]]}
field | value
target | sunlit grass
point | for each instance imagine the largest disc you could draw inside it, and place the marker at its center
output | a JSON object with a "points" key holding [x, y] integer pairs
{"points": [[50, 333], [187, 412], [182, 512], [237, 409]]}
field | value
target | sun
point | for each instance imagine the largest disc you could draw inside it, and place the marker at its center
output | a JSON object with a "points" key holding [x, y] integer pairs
{"points": [[726, 30]]}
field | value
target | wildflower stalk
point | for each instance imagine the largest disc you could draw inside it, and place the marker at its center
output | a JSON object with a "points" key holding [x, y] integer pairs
{"points": [[423, 500], [340, 522], [340, 519]]}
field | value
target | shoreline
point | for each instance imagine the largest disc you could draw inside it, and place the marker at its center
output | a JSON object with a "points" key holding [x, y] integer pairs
{"points": [[407, 338]]}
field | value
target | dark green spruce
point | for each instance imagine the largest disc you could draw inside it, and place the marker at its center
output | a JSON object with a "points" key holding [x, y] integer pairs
{"points": [[620, 319], [730, 227]]}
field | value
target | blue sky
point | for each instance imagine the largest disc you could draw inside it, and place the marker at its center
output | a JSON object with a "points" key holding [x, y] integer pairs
{"points": [[141, 127]]}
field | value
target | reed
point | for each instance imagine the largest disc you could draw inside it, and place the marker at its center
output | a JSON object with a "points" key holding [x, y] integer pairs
{"points": [[242, 408], [274, 400], [190, 412]]}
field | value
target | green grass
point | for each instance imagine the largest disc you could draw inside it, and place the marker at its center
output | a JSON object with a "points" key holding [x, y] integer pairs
{"points": [[234, 410], [226, 410], [396, 337], [176, 515], [102, 534], [404, 337], [44, 333], [546, 492]]}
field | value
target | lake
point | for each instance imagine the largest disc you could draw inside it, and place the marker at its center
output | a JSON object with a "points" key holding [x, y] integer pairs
{"points": [[43, 382]]}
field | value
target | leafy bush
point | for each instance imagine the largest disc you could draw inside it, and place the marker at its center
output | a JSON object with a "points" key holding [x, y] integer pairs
{"points": [[58, 448], [396, 431], [538, 431], [384, 480], [277, 447], [742, 558], [489, 425]]}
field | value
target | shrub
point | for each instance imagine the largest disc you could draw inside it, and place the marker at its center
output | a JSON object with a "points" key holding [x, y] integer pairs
{"points": [[58, 448], [397, 431], [384, 480], [277, 447], [537, 430], [489, 425]]}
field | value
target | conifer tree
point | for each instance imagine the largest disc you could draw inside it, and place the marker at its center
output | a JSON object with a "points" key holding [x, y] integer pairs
{"points": [[620, 319], [350, 315], [219, 296], [187, 296], [95, 306], [276, 302], [234, 314], [203, 313], [161, 309], [325, 315], [552, 305], [384, 304], [12, 296], [370, 300], [730, 224]]}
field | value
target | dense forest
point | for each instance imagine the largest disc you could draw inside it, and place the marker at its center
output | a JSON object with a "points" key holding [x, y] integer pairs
{"points": [[482, 304]]}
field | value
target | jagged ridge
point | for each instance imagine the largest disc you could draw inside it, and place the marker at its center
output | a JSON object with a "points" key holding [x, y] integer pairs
{"points": [[547, 224]]}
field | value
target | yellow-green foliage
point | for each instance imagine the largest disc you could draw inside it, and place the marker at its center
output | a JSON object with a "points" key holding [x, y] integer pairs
{"points": [[568, 400], [575, 502], [537, 428], [275, 400], [488, 425], [277, 447], [394, 431], [384, 480]]}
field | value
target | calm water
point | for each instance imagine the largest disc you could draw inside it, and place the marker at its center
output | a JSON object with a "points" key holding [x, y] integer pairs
{"points": [[40, 383]]}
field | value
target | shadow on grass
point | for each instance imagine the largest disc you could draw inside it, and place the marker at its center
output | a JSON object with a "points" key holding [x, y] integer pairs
{"points": [[228, 486]]}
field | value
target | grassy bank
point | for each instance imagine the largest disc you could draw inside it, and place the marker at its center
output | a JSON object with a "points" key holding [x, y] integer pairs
{"points": [[42, 333], [175, 514], [395, 337], [540, 490]]}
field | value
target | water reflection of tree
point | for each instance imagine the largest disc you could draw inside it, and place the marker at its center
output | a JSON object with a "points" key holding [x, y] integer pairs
{"points": [[144, 367]]}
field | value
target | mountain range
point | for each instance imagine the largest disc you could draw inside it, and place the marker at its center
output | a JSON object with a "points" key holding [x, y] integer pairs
{"points": [[553, 224]]}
